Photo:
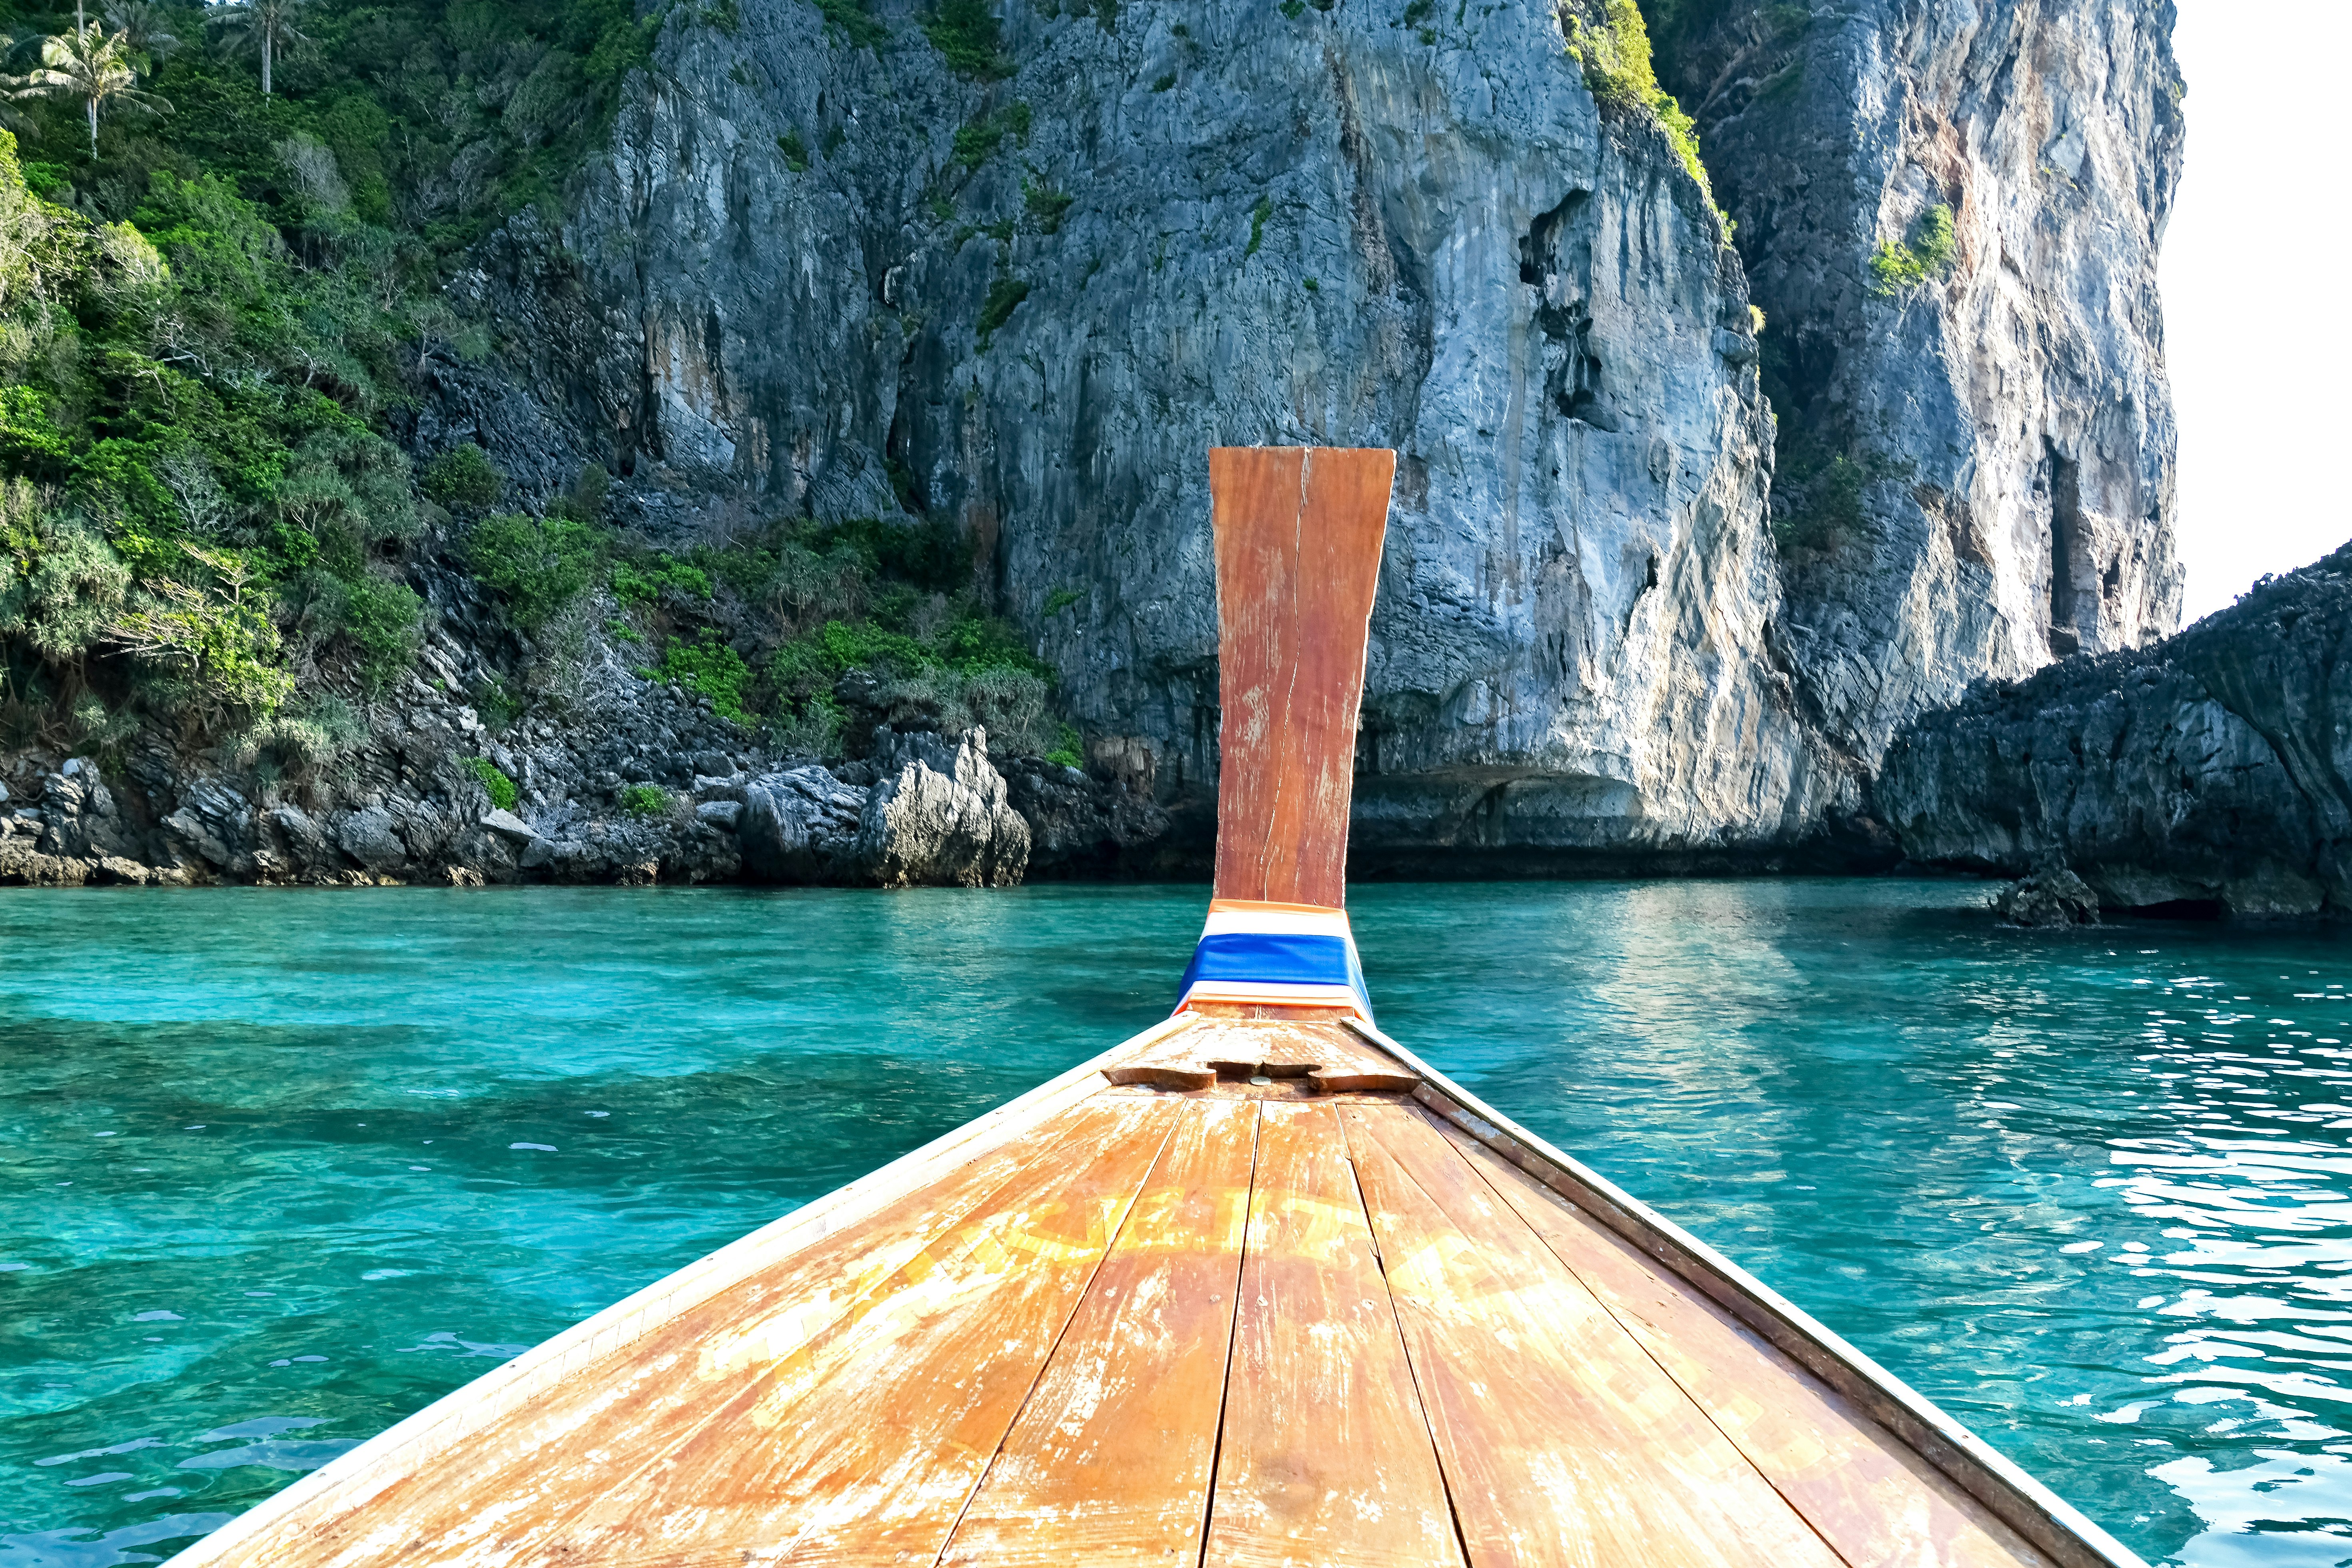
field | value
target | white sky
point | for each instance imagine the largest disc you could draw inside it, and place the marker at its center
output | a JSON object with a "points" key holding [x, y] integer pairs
{"points": [[2255, 329]]}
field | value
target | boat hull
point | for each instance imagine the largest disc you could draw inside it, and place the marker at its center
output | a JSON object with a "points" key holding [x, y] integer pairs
{"points": [[1251, 1288]]}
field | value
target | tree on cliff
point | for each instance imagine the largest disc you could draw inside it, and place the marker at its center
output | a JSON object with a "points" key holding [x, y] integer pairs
{"points": [[94, 65], [265, 25], [146, 27]]}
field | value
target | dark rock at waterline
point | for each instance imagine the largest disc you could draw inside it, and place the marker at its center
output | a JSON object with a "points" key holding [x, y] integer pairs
{"points": [[799, 829], [1080, 825], [2047, 900], [2212, 769], [926, 809]]}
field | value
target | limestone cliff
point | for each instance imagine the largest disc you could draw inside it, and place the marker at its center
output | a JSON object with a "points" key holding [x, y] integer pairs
{"points": [[2208, 773], [1016, 271], [1031, 305], [1949, 211]]}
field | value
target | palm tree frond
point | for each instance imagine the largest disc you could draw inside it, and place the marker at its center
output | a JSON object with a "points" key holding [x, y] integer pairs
{"points": [[265, 26], [94, 65], [145, 26]]}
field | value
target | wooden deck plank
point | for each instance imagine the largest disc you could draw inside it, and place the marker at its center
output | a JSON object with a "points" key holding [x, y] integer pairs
{"points": [[1297, 1091], [1562, 1441], [869, 1444], [1325, 1459], [840, 1406], [1111, 1458], [1868, 1494], [1298, 536], [488, 1499], [1286, 1011], [1285, 1047], [702, 1461]]}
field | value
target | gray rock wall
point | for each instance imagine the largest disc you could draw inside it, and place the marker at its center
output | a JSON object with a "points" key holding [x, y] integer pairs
{"points": [[1031, 305], [1312, 229], [2213, 768], [2006, 418]]}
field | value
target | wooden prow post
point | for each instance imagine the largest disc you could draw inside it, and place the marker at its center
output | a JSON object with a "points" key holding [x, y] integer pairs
{"points": [[1298, 532]]}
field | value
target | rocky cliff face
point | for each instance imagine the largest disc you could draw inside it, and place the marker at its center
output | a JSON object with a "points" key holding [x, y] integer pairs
{"points": [[821, 271], [1031, 305], [644, 784], [1949, 211], [2210, 773]]}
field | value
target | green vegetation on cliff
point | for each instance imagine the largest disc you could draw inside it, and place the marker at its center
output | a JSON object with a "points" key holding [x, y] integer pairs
{"points": [[1612, 42], [219, 293], [500, 788], [214, 288], [1926, 253]]}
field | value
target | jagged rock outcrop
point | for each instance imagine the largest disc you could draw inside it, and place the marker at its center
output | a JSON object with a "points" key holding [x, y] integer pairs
{"points": [[2047, 900], [2209, 772], [800, 829], [938, 817], [68, 831], [386, 807], [1976, 434]]}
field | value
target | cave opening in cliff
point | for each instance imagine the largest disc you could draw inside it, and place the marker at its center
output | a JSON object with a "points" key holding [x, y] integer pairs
{"points": [[1538, 257], [1556, 261]]}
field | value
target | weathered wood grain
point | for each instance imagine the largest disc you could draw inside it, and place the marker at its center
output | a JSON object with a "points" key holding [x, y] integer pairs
{"points": [[1378, 1080], [1326, 1460], [1269, 1010], [2046, 1522], [1299, 534], [1288, 1090], [1161, 1075], [676, 1451], [1110, 1461], [320, 1509], [1869, 1497], [1563, 1442], [1041, 1355], [864, 1446], [1281, 1047]]}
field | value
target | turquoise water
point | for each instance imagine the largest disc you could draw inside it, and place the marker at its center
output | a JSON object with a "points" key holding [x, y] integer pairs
{"points": [[277, 1167]]}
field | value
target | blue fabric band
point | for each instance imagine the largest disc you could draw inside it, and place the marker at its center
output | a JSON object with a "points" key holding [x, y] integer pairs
{"points": [[1267, 957]]}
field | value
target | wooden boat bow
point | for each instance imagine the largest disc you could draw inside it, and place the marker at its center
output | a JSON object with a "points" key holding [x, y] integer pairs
{"points": [[1256, 1287]]}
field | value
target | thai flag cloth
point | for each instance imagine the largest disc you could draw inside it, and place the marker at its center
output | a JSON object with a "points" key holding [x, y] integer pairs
{"points": [[1283, 955]]}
